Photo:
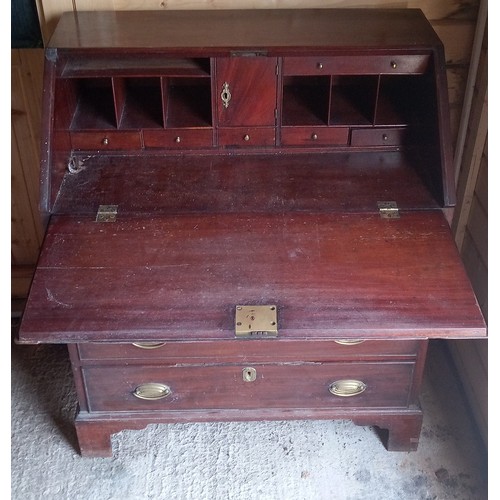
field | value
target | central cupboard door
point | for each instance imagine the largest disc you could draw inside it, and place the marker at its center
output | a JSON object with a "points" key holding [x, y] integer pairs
{"points": [[246, 100]]}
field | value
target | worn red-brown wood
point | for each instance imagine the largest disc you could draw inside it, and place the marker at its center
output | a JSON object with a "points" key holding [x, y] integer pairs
{"points": [[247, 154]]}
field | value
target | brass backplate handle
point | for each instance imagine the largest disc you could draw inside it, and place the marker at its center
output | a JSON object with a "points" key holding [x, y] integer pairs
{"points": [[225, 95], [152, 391], [348, 341], [149, 345], [347, 388]]}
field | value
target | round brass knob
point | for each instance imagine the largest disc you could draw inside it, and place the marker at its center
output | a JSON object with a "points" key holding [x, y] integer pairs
{"points": [[394, 64], [246, 137], [177, 139], [314, 137], [105, 141], [319, 65], [385, 137]]}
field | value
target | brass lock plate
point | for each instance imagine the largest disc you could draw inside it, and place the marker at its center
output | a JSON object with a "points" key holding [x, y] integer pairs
{"points": [[256, 321]]}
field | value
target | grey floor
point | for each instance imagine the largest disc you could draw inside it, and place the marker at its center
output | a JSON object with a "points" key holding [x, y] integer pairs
{"points": [[292, 460]]}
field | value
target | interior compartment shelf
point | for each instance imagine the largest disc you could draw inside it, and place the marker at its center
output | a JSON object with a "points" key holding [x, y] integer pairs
{"points": [[305, 100], [135, 65], [188, 102], [353, 100], [94, 104], [138, 102]]}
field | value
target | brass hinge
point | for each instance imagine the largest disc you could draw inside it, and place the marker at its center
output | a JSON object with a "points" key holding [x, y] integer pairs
{"points": [[388, 209], [106, 213], [256, 321]]}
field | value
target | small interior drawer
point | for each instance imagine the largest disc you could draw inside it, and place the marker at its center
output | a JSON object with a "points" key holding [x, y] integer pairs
{"points": [[314, 136], [264, 350], [247, 137], [105, 140], [246, 386], [178, 138], [356, 65], [379, 136]]}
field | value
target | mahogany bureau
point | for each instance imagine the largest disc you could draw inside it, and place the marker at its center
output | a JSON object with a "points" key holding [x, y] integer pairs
{"points": [[245, 217]]}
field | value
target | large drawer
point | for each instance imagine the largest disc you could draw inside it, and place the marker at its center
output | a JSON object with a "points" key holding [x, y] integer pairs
{"points": [[354, 65], [285, 385], [270, 350]]}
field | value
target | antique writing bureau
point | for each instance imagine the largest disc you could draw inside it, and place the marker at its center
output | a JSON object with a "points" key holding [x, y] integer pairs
{"points": [[245, 217]]}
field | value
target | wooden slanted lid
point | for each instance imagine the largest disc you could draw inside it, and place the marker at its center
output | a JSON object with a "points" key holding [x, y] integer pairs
{"points": [[331, 275]]}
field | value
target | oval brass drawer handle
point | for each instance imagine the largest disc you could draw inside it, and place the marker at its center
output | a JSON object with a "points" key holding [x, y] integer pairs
{"points": [[152, 391], [348, 341], [149, 345], [346, 388]]}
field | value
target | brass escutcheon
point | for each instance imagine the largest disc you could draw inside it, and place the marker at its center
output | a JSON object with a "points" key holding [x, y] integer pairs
{"points": [[225, 95], [249, 374]]}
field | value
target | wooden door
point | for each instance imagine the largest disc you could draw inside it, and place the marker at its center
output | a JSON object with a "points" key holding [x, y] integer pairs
{"points": [[246, 91]]}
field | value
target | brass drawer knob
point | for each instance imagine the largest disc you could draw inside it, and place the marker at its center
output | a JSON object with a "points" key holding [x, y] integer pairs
{"points": [[152, 391], [394, 64], [105, 141], [149, 345], [246, 137], [314, 137], [177, 139], [385, 137], [319, 65], [347, 388]]}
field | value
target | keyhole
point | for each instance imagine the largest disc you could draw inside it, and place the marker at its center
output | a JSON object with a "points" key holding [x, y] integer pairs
{"points": [[249, 374]]}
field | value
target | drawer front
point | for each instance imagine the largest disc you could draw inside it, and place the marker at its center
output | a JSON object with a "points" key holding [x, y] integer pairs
{"points": [[314, 136], [379, 137], [265, 350], [310, 385], [358, 65], [247, 137], [106, 140], [178, 138]]}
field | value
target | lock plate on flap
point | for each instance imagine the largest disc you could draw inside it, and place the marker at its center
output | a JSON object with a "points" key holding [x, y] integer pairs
{"points": [[256, 321]]}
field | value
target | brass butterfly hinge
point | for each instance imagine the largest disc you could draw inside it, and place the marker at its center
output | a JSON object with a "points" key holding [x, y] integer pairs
{"points": [[106, 213], [388, 209]]}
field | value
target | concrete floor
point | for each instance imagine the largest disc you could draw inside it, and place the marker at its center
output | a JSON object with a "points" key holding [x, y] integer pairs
{"points": [[311, 460]]}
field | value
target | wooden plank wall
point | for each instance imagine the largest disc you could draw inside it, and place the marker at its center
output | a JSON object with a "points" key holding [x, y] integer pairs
{"points": [[26, 104], [470, 225]]}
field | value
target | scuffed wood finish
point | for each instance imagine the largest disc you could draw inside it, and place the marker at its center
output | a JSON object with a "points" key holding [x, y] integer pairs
{"points": [[331, 276], [276, 183]]}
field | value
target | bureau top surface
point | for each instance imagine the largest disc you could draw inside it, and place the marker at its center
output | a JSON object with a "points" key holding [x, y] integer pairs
{"points": [[280, 29], [181, 277]]}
